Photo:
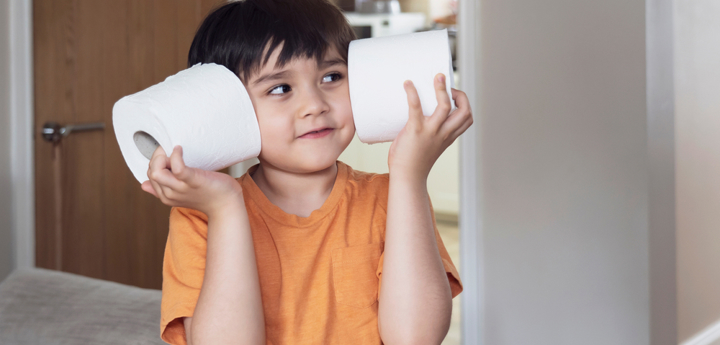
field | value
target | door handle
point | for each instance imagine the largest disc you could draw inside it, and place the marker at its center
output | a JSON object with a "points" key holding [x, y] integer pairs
{"points": [[54, 133]]}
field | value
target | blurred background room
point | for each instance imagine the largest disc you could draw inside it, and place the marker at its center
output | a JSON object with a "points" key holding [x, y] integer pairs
{"points": [[582, 207]]}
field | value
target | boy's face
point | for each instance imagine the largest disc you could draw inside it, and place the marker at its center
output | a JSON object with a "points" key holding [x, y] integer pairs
{"points": [[298, 98]]}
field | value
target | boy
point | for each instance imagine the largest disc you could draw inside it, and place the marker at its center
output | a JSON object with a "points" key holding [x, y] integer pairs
{"points": [[302, 249]]}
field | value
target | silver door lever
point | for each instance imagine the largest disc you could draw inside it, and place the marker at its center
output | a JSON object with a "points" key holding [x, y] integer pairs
{"points": [[52, 132]]}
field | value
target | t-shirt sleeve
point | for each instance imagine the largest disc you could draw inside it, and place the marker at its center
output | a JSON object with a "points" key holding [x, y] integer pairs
{"points": [[450, 270], [183, 271]]}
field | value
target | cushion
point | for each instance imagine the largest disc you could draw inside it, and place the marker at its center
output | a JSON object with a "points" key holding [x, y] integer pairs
{"points": [[41, 306]]}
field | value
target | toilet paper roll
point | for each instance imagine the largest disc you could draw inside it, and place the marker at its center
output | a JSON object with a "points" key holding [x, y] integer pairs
{"points": [[205, 109], [377, 68]]}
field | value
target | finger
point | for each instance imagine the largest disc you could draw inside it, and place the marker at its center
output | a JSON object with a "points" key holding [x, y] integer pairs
{"points": [[468, 122], [159, 167], [168, 181], [460, 114], [158, 152], [160, 176], [147, 186], [461, 99], [415, 109], [166, 193], [159, 160], [450, 137], [178, 167], [454, 121], [165, 180], [158, 191], [443, 100]]}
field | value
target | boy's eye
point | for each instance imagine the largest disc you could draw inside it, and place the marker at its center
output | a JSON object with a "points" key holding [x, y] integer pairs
{"points": [[332, 77], [280, 89]]}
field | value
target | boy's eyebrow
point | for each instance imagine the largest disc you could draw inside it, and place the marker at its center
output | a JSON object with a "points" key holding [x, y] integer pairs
{"points": [[272, 76], [331, 62], [285, 73]]}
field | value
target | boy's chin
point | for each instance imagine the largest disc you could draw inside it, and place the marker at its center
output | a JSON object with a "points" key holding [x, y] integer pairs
{"points": [[318, 168], [303, 165]]}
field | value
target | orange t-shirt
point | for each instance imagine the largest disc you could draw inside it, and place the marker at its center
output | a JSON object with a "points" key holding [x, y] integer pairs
{"points": [[319, 276]]}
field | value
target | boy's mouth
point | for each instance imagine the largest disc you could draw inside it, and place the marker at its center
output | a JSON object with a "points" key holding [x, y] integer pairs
{"points": [[317, 133]]}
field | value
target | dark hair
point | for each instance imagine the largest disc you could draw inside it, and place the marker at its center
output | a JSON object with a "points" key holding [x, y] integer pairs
{"points": [[236, 34]]}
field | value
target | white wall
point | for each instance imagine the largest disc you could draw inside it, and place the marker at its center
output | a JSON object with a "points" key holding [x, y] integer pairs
{"points": [[565, 173], [6, 231], [697, 71]]}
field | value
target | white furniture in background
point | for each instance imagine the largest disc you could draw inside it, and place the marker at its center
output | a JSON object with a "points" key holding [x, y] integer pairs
{"points": [[386, 24]]}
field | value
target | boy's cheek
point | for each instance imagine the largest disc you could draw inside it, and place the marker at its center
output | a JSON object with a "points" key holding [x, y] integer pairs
{"points": [[273, 134], [343, 97], [268, 121], [343, 107]]}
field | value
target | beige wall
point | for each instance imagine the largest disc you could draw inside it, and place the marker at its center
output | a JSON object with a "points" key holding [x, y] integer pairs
{"points": [[6, 235], [697, 125], [432, 8], [442, 182]]}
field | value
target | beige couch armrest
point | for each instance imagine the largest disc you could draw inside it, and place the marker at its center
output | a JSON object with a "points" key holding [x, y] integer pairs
{"points": [[40, 306]]}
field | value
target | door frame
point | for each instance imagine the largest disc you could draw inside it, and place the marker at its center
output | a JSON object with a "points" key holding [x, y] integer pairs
{"points": [[21, 133], [23, 174], [472, 272]]}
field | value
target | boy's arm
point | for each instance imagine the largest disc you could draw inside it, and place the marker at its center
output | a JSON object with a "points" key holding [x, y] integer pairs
{"points": [[229, 308], [187, 323], [415, 300]]}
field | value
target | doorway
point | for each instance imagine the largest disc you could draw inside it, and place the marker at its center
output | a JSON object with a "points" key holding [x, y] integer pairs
{"points": [[468, 59], [91, 217]]}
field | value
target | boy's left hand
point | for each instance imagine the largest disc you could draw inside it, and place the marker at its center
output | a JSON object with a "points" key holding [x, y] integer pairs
{"points": [[424, 138]]}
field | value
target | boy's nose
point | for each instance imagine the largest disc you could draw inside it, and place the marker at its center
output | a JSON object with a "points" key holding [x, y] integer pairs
{"points": [[314, 103]]}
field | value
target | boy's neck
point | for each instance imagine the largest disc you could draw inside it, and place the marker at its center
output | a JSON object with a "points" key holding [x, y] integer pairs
{"points": [[294, 193]]}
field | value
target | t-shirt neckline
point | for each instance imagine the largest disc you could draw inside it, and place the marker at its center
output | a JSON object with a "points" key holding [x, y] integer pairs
{"points": [[275, 212]]}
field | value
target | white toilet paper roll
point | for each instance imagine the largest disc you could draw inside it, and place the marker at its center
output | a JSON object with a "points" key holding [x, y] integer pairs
{"points": [[377, 68], [205, 109]]}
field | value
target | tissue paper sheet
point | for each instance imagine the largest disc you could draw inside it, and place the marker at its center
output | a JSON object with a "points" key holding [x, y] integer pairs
{"points": [[205, 109], [377, 68]]}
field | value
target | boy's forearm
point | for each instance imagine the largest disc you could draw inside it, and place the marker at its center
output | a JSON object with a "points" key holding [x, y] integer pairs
{"points": [[229, 309], [415, 297]]}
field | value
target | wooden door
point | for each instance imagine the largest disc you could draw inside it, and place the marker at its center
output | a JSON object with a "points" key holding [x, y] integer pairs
{"points": [[92, 218]]}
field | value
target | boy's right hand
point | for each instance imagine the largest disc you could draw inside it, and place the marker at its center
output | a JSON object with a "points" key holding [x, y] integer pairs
{"points": [[176, 184]]}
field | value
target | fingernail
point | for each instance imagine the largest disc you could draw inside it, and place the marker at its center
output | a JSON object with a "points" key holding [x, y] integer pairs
{"points": [[406, 83], [442, 78]]}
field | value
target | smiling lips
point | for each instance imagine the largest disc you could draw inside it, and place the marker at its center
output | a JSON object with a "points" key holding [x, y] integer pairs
{"points": [[317, 133]]}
